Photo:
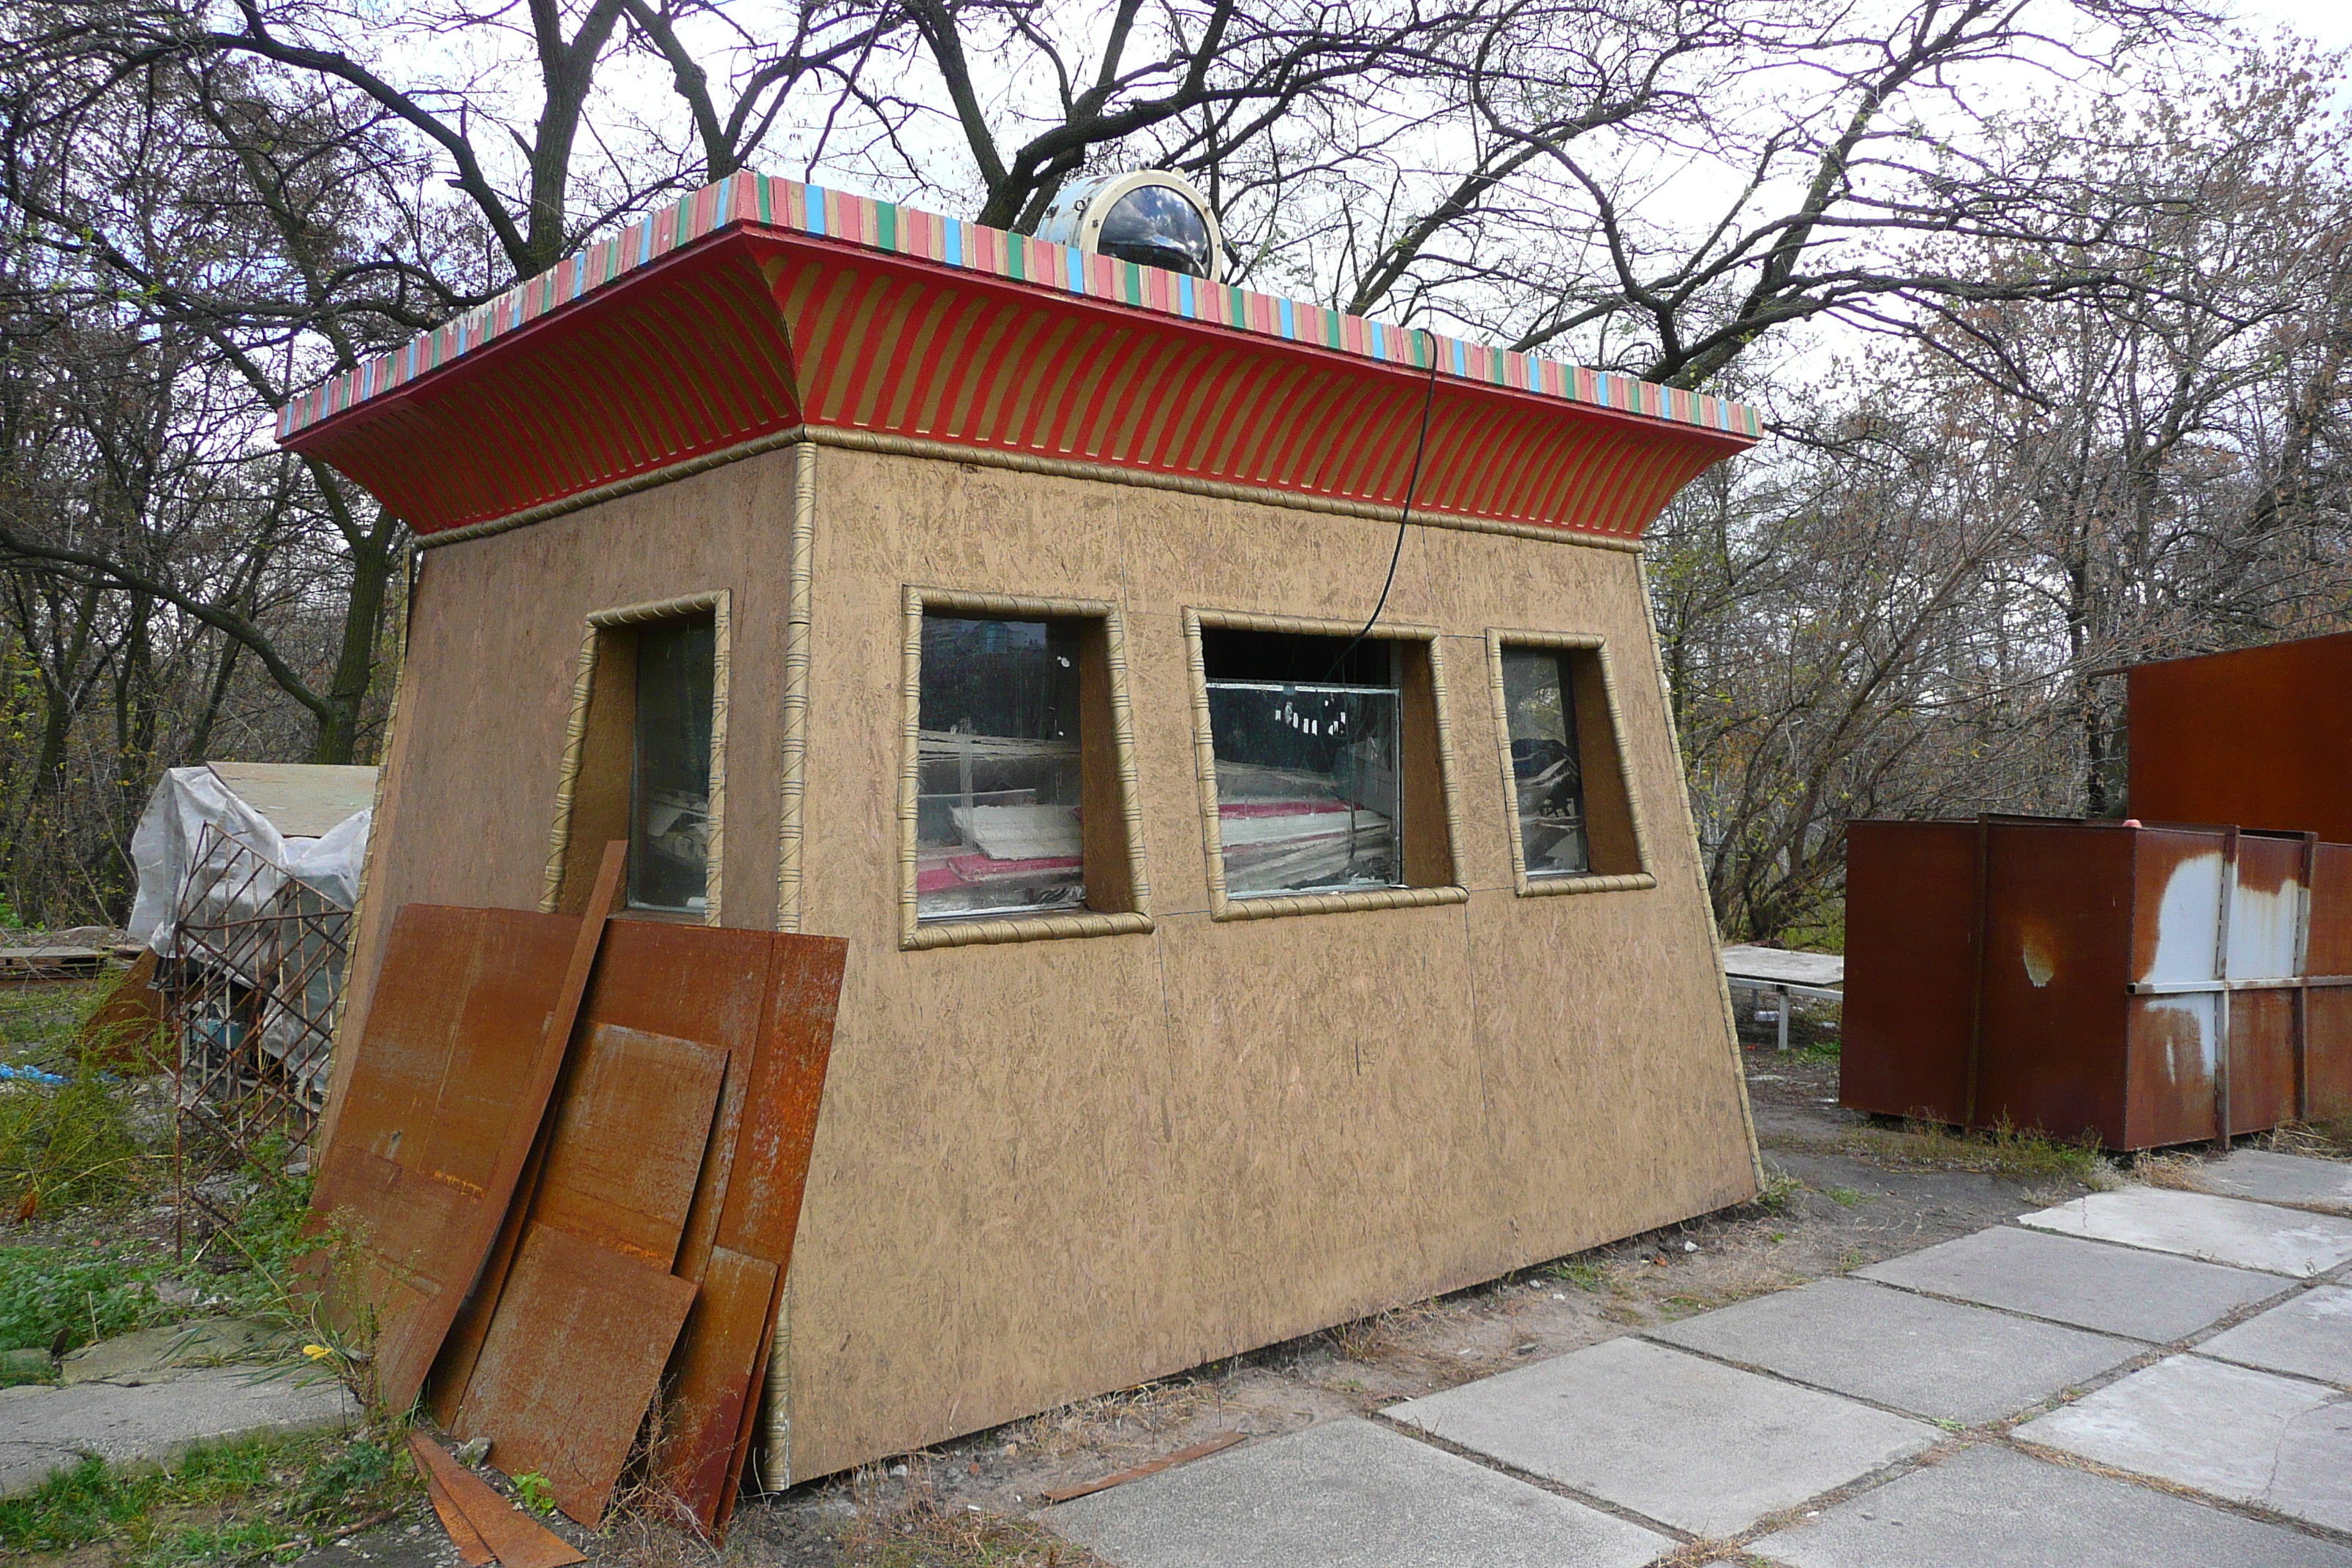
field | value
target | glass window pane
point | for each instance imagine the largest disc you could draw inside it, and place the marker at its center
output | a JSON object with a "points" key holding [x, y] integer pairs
{"points": [[998, 776], [1546, 766], [669, 795], [1307, 792]]}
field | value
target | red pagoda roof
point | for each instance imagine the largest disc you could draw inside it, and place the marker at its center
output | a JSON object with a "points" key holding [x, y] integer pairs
{"points": [[758, 305]]}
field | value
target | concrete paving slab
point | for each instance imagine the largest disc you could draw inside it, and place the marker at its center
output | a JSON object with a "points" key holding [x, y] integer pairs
{"points": [[2145, 1295], [1938, 1359], [2250, 1436], [2310, 1336], [1990, 1506], [44, 1430], [1674, 1437], [155, 1355], [1347, 1492], [2283, 1179], [2194, 1224]]}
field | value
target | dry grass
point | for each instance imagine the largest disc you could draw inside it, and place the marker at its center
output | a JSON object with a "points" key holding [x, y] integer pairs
{"points": [[2018, 1153], [2314, 1140], [909, 1526], [2180, 1173], [1112, 1421]]}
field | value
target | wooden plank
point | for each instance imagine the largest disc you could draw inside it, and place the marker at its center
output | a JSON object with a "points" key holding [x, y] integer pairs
{"points": [[571, 1364]]}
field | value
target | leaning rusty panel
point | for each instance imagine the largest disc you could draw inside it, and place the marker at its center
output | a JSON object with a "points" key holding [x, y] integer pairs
{"points": [[714, 1393], [2175, 1041], [448, 1083], [2260, 737], [1910, 967], [705, 984], [772, 1161], [574, 1358], [2057, 946], [631, 1129], [511, 1537]]}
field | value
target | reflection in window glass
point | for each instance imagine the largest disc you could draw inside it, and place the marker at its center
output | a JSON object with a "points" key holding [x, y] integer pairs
{"points": [[1546, 766], [670, 794], [1308, 795], [998, 780]]}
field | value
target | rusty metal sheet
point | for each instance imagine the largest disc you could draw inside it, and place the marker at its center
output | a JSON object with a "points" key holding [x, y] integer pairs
{"points": [[2175, 1041], [2327, 1059], [571, 1364], [631, 1123], [462, 1534], [2058, 949], [779, 1128], [2261, 737], [461, 1342], [1910, 968], [446, 1092], [709, 1402], [2261, 1060], [515, 1540]]}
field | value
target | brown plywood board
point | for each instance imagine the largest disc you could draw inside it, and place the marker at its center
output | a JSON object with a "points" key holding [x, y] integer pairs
{"points": [[1021, 1163], [570, 1365], [445, 1097], [630, 1133]]}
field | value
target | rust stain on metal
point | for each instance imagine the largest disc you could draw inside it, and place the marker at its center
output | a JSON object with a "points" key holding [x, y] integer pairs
{"points": [[1911, 968], [571, 1364], [450, 1079], [710, 1401], [629, 1140], [511, 1537], [1200, 1451], [2259, 737], [763, 1194]]}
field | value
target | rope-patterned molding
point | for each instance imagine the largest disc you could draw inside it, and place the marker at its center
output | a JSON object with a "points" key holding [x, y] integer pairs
{"points": [[793, 762], [1527, 887], [914, 933], [1222, 906]]}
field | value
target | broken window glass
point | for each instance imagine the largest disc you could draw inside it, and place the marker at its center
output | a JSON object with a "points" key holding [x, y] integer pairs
{"points": [[1546, 766], [998, 775], [1305, 730], [669, 795]]}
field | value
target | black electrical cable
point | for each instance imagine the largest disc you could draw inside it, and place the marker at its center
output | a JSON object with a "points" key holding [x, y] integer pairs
{"points": [[1404, 518]]}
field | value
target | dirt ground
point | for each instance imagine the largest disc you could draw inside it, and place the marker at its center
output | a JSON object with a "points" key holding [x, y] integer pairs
{"points": [[1843, 1193]]}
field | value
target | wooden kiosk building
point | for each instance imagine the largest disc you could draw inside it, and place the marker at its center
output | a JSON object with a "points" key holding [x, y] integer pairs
{"points": [[1216, 975]]}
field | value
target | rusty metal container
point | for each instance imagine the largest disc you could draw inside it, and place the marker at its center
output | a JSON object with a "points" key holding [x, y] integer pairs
{"points": [[2141, 986], [2260, 737]]}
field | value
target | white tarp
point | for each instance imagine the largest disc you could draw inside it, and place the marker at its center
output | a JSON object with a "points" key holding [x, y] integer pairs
{"points": [[184, 801]]}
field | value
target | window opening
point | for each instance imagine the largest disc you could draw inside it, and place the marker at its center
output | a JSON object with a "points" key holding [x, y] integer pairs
{"points": [[1546, 763], [1306, 734], [669, 790], [999, 774]]}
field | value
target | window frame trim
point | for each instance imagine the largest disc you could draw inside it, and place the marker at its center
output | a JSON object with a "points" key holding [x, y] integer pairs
{"points": [[915, 933], [1536, 887], [718, 603], [1271, 906]]}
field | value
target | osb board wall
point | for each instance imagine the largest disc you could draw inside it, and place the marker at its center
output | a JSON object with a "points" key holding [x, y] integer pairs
{"points": [[1049, 1169], [1046, 1170], [486, 686]]}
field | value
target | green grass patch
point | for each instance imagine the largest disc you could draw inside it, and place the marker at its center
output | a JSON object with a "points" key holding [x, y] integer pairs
{"points": [[270, 1499], [52, 1292]]}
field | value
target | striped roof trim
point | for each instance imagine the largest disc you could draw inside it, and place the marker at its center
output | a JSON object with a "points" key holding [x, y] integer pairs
{"points": [[758, 200]]}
